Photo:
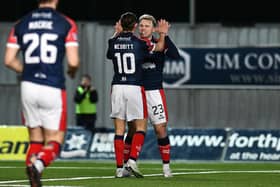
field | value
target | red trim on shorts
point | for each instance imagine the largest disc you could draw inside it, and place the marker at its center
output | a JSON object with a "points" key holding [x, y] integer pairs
{"points": [[162, 94], [63, 116], [145, 107]]}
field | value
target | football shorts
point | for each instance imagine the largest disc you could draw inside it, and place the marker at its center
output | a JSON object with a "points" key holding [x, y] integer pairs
{"points": [[43, 106], [157, 108], [128, 102]]}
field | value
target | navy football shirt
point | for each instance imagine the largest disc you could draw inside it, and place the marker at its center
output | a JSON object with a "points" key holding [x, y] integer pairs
{"points": [[128, 53], [153, 69], [42, 35]]}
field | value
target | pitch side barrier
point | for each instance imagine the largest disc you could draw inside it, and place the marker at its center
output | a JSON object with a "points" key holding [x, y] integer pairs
{"points": [[186, 144]]}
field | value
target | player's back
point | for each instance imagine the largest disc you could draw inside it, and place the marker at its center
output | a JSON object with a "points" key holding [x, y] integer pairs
{"points": [[127, 53], [42, 35]]}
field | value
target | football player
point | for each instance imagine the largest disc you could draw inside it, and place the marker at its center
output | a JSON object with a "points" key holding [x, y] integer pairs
{"points": [[44, 36]]}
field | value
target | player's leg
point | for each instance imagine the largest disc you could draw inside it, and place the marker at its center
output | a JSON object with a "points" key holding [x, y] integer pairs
{"points": [[137, 113], [31, 119], [136, 146], [138, 138], [54, 139], [36, 142], [158, 115], [119, 145], [52, 114], [164, 147], [127, 147], [35, 145], [128, 140], [118, 106]]}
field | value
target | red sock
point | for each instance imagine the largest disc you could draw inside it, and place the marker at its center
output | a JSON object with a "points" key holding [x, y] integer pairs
{"points": [[165, 153], [136, 145], [164, 149], [34, 149], [48, 154], [119, 150]]}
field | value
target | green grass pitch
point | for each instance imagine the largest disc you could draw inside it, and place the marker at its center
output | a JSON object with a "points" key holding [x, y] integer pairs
{"points": [[186, 174]]}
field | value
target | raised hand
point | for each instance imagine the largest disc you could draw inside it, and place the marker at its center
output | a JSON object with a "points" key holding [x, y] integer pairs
{"points": [[118, 27], [162, 26]]}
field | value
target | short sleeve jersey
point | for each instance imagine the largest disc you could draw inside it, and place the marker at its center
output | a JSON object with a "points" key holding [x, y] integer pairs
{"points": [[42, 36], [128, 53]]}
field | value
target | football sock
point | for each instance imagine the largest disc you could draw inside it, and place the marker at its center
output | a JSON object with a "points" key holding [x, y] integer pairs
{"points": [[136, 145], [48, 154], [33, 150], [119, 150], [164, 149], [127, 147]]}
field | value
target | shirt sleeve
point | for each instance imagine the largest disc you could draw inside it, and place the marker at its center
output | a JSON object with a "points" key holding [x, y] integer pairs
{"points": [[72, 36], [12, 39], [171, 49]]}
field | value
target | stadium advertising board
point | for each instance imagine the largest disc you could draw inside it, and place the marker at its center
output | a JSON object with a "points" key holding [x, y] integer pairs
{"points": [[240, 67], [188, 144], [102, 145], [13, 142], [253, 145], [77, 143]]}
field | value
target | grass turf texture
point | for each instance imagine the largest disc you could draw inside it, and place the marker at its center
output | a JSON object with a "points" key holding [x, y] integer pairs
{"points": [[101, 174]]}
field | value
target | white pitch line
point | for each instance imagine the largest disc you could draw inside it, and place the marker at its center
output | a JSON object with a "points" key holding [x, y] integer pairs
{"points": [[215, 172], [148, 175], [102, 168]]}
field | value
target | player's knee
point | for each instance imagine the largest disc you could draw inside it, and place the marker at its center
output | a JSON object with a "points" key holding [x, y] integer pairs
{"points": [[161, 131]]}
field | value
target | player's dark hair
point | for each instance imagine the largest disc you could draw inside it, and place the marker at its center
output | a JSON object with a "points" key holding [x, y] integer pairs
{"points": [[128, 20]]}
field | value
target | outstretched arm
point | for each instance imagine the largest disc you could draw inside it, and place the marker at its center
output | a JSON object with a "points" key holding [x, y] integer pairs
{"points": [[118, 29], [172, 50]]}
